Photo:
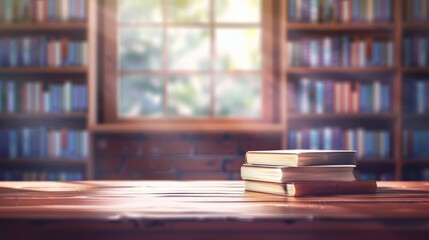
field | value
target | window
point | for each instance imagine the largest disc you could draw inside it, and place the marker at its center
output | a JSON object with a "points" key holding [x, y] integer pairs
{"points": [[186, 59]]}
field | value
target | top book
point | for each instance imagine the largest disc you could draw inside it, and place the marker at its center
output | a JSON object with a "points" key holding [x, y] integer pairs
{"points": [[301, 157]]}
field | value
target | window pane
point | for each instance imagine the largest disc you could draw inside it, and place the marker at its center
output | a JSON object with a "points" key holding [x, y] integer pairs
{"points": [[188, 11], [189, 49], [140, 11], [238, 49], [141, 96], [189, 96], [238, 11], [141, 49], [238, 96]]}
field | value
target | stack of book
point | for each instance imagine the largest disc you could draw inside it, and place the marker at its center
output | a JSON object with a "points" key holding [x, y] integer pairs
{"points": [[303, 173]]}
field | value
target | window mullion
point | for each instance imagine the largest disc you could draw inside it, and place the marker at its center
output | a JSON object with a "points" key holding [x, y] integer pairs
{"points": [[166, 57]]}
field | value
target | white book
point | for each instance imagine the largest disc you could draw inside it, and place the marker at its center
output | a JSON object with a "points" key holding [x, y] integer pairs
{"points": [[84, 144], [314, 53], [350, 139], [67, 88], [327, 138], [377, 96], [57, 47], [327, 52], [64, 13], [319, 96], [57, 143], [305, 96], [314, 11], [46, 102]]}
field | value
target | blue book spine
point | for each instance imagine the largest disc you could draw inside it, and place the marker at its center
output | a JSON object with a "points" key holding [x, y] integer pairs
{"points": [[385, 97], [13, 53], [84, 9], [291, 10], [363, 98], [1, 96], [327, 139], [85, 98], [388, 10], [43, 143], [291, 139], [13, 144], [355, 10], [319, 92], [420, 97], [387, 144], [416, 9], [314, 139], [407, 52]]}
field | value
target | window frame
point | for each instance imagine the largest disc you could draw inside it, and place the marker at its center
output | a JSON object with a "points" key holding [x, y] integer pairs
{"points": [[109, 80]]}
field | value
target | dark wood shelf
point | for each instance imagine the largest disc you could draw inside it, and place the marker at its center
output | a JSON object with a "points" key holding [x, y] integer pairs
{"points": [[43, 70], [368, 161], [190, 127], [309, 70], [412, 70], [415, 161], [38, 162], [72, 115], [415, 116], [345, 116], [45, 26], [416, 26], [339, 26]]}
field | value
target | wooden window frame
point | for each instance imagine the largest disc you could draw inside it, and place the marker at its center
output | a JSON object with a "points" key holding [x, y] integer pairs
{"points": [[108, 38]]}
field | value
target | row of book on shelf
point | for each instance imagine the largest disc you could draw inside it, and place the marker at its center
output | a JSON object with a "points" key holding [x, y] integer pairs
{"points": [[42, 51], [416, 51], [415, 143], [21, 11], [42, 143], [416, 96], [416, 10], [416, 174], [340, 11], [341, 51], [327, 96], [371, 144], [40, 97], [15, 175], [376, 175]]}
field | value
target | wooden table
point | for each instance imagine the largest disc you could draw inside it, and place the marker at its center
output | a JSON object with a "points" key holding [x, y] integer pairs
{"points": [[206, 210]]}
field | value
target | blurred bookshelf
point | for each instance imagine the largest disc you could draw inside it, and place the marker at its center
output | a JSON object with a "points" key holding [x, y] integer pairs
{"points": [[343, 65], [46, 70]]}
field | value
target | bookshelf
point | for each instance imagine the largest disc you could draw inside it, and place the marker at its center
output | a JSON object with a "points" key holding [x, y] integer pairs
{"points": [[50, 102], [371, 22]]}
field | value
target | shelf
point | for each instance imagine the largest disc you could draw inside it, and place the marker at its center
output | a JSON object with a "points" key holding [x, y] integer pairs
{"points": [[414, 161], [416, 116], [367, 161], [43, 70], [416, 26], [339, 26], [32, 162], [415, 70], [364, 70], [66, 26], [77, 115], [188, 128], [344, 116]]}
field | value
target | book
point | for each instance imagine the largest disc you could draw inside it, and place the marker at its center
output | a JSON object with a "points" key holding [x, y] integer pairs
{"points": [[301, 157], [294, 174], [303, 189]]}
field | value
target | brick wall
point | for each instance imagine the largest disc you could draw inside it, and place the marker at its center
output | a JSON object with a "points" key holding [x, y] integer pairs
{"points": [[175, 156]]}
